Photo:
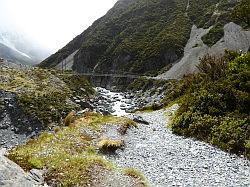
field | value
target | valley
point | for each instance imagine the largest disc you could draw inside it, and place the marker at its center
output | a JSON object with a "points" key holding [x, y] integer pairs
{"points": [[152, 94], [164, 158]]}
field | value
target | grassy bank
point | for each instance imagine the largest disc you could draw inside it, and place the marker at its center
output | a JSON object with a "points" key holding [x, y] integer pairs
{"points": [[69, 155]]}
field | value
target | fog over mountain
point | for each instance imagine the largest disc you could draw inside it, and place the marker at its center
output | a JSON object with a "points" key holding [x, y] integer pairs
{"points": [[17, 46], [31, 30]]}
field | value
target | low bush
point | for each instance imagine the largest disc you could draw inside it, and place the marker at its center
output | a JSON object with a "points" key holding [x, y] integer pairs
{"points": [[214, 35]]}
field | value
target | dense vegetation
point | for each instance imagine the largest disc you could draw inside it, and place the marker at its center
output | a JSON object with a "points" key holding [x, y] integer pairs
{"points": [[145, 84], [215, 103], [143, 36]]}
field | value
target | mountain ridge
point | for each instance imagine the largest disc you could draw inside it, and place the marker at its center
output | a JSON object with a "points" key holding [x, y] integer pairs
{"points": [[144, 37]]}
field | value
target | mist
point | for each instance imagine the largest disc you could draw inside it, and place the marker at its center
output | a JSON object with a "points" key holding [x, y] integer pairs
{"points": [[51, 23]]}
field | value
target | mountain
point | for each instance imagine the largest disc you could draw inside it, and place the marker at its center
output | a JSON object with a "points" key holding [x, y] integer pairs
{"points": [[19, 48], [13, 55], [149, 37]]}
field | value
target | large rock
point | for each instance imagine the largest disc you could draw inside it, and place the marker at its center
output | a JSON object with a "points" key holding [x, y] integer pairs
{"points": [[12, 175]]}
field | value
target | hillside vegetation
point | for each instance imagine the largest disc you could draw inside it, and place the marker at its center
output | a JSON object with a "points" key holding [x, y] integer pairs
{"points": [[143, 36], [44, 94], [215, 103]]}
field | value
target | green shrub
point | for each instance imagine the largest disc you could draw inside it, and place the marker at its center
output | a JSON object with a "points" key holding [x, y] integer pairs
{"points": [[231, 135], [215, 103], [240, 13], [213, 67], [239, 64], [214, 35], [78, 85]]}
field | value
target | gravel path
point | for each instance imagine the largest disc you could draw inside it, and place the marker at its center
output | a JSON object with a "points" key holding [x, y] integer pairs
{"points": [[170, 160]]}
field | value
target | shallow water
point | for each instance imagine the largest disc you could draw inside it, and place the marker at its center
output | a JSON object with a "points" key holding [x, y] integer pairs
{"points": [[117, 101]]}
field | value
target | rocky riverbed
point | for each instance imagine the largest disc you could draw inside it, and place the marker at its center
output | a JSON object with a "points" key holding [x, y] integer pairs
{"points": [[121, 103], [169, 160], [164, 158]]}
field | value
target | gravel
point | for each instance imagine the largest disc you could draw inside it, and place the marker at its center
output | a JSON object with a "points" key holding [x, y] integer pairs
{"points": [[169, 160], [15, 127]]}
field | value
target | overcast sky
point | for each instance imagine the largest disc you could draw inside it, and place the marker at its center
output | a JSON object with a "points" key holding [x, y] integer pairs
{"points": [[53, 22]]}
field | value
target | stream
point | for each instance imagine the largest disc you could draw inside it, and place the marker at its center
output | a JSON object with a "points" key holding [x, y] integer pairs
{"points": [[13, 134], [115, 103]]}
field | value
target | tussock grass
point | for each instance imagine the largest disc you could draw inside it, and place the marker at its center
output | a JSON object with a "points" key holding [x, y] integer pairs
{"points": [[110, 145], [137, 175], [67, 156], [69, 118]]}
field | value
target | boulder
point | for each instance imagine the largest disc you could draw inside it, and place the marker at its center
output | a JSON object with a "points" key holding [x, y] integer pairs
{"points": [[139, 119], [12, 175]]}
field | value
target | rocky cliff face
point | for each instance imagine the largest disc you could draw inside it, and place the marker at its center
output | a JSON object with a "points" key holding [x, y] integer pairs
{"points": [[15, 126], [143, 37], [235, 38]]}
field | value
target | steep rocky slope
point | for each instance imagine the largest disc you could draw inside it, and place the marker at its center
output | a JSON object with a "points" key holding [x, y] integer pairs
{"points": [[235, 38], [32, 100], [144, 36], [13, 55]]}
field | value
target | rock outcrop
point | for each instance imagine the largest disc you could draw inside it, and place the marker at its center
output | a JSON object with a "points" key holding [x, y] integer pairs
{"points": [[15, 126], [235, 38], [12, 175]]}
